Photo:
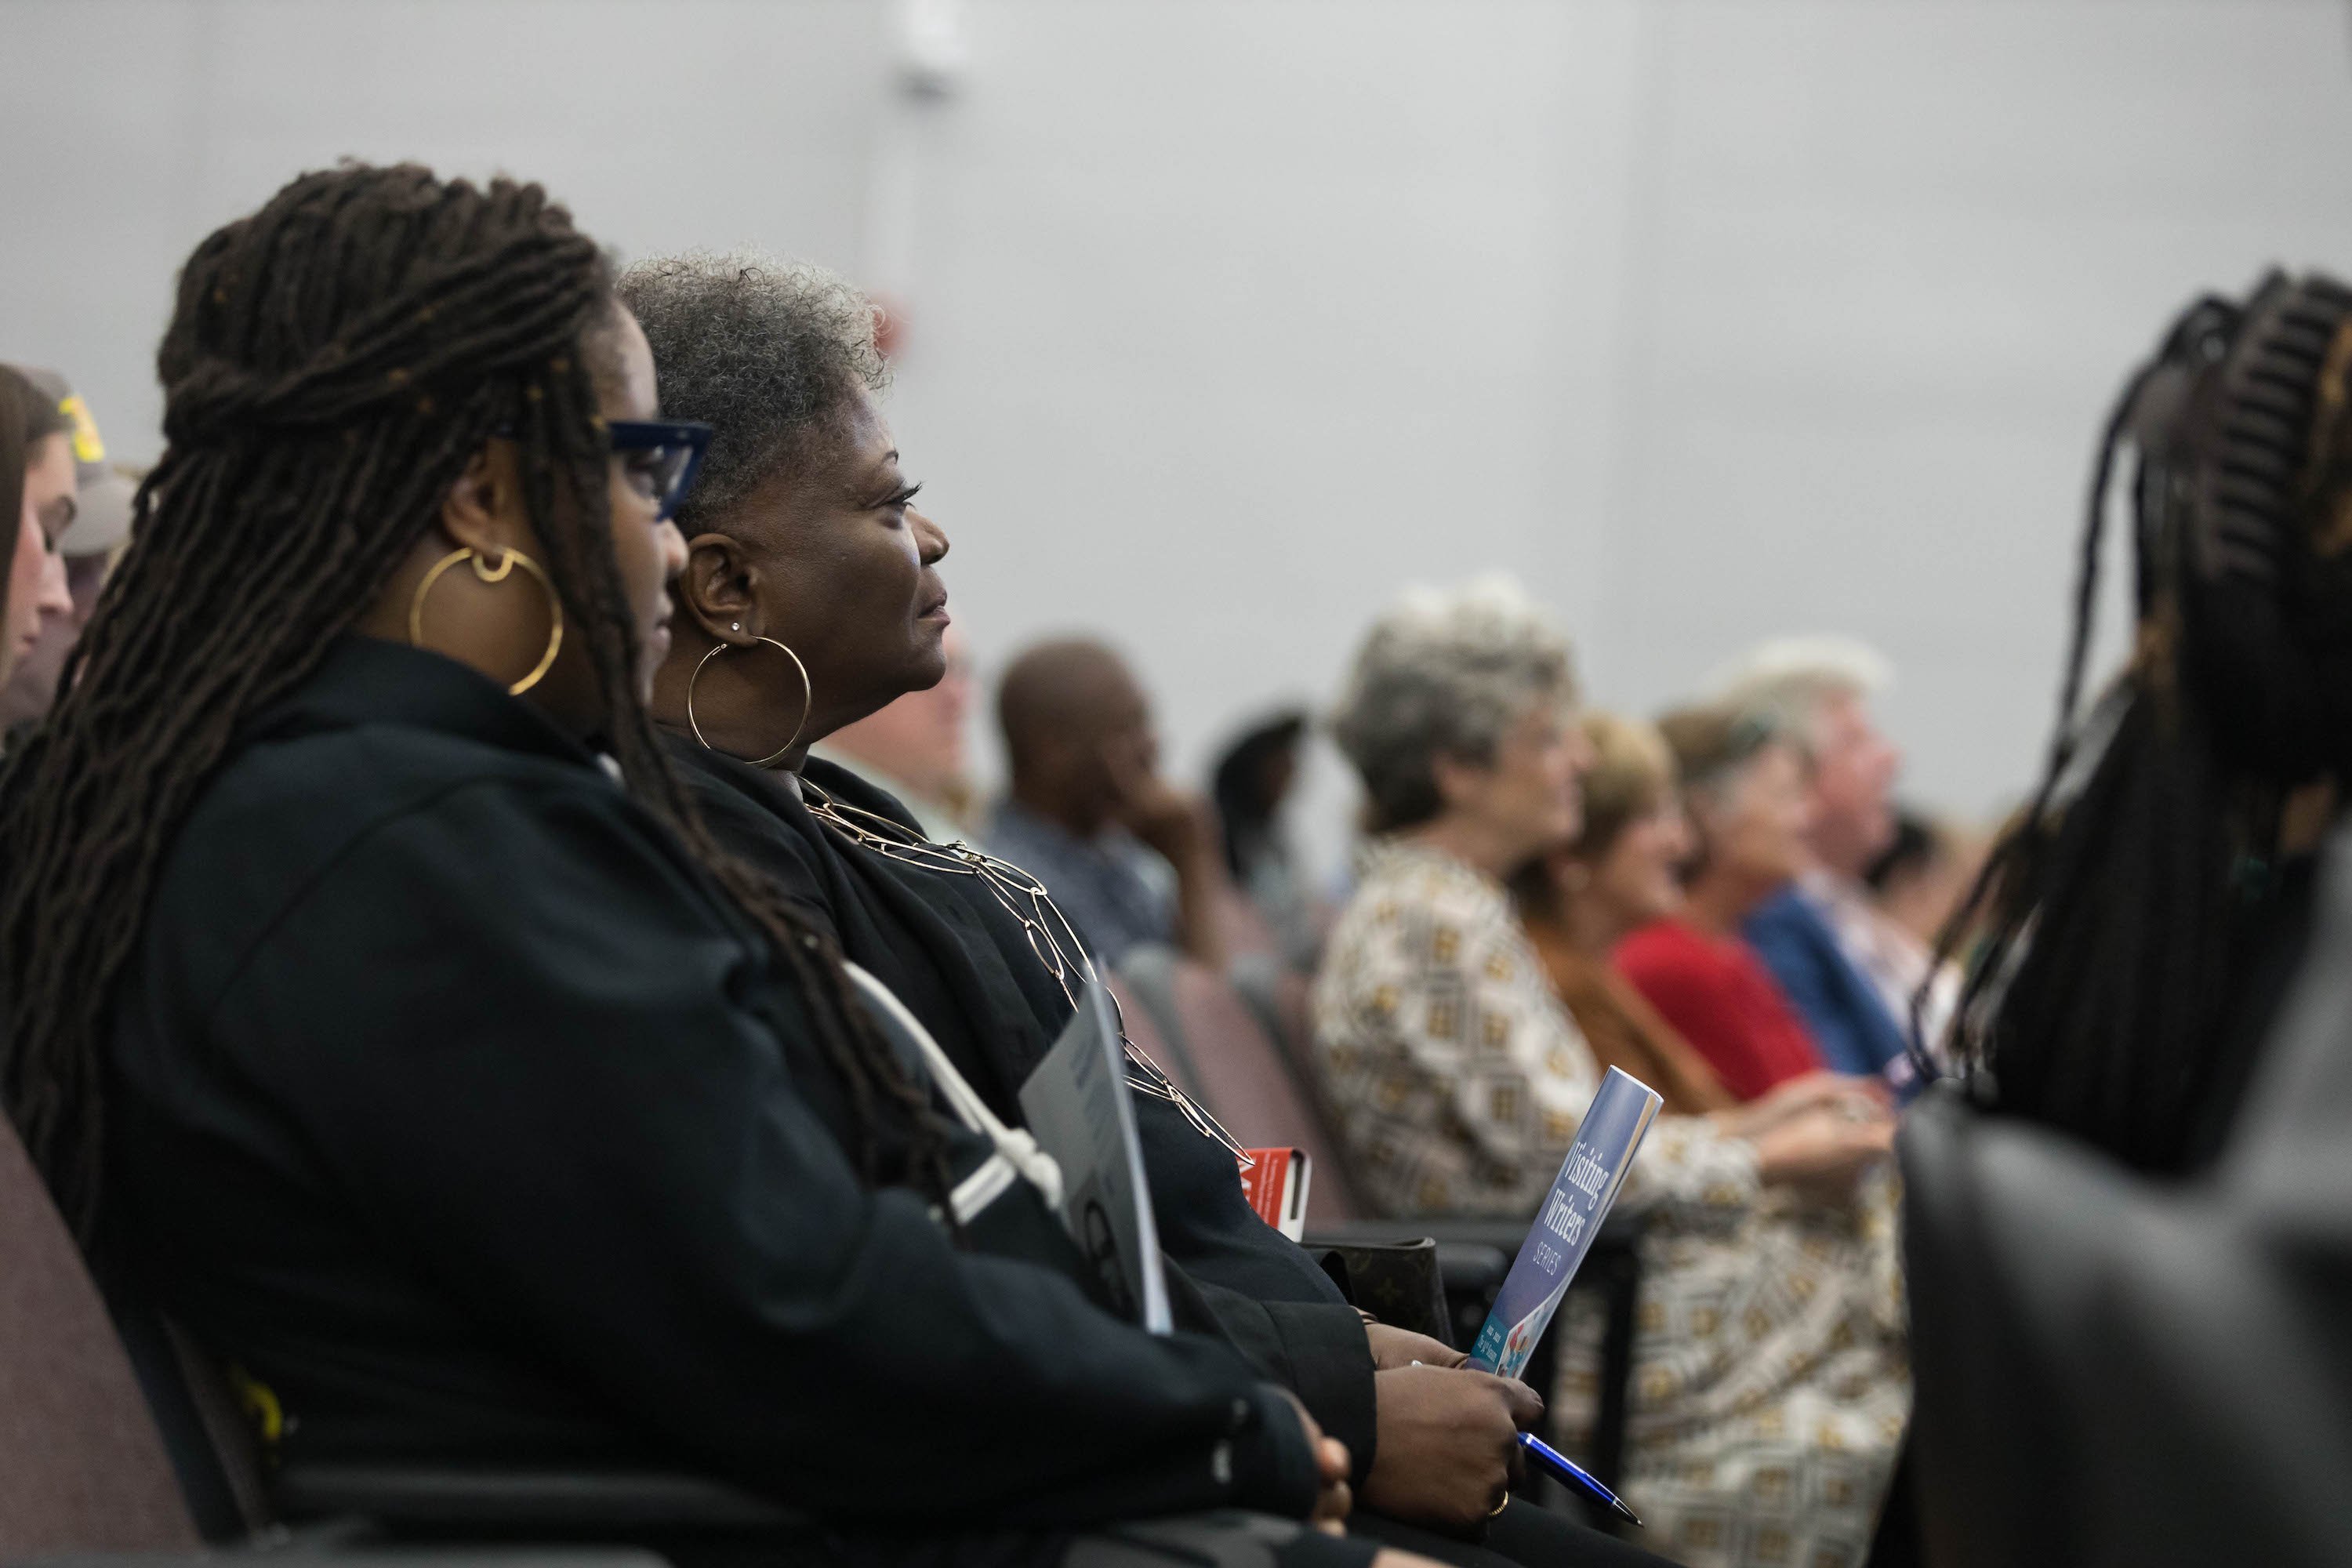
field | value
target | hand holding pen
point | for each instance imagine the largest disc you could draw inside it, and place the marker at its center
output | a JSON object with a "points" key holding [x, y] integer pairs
{"points": [[1570, 1473]]}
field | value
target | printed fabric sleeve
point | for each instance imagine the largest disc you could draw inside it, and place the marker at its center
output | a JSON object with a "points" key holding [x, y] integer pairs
{"points": [[1458, 1077]]}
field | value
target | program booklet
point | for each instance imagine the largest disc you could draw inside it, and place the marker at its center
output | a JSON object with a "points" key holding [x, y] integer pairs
{"points": [[1078, 1108], [1606, 1141]]}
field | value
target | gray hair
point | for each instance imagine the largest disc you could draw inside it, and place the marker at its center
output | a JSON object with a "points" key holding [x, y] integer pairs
{"points": [[1445, 673], [1788, 680], [768, 351]]}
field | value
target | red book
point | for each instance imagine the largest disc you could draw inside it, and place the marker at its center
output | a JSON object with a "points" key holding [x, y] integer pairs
{"points": [[1276, 1184]]}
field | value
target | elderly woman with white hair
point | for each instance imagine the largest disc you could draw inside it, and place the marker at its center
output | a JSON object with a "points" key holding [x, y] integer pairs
{"points": [[1770, 1384]]}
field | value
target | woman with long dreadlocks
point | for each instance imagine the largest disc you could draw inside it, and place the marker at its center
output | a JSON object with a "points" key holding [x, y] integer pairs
{"points": [[2130, 1262], [376, 1004]]}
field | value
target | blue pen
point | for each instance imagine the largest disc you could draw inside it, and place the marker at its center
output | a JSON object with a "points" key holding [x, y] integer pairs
{"points": [[1566, 1470], [1575, 1474]]}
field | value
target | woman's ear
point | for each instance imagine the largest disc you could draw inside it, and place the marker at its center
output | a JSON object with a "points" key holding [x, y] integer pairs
{"points": [[720, 589], [484, 510], [1458, 779]]}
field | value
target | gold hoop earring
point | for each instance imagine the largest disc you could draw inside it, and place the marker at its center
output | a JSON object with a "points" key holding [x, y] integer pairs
{"points": [[808, 699], [485, 573]]}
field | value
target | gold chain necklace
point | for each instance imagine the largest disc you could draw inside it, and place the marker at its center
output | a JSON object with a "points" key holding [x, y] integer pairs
{"points": [[1042, 922]]}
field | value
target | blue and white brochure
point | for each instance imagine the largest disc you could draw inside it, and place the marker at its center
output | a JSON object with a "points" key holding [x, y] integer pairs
{"points": [[1606, 1141]]}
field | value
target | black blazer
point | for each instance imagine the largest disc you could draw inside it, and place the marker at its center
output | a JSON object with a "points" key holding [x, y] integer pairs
{"points": [[963, 966], [454, 1107]]}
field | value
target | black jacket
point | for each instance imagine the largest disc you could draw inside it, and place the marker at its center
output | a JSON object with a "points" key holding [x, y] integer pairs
{"points": [[963, 965], [451, 1104]]}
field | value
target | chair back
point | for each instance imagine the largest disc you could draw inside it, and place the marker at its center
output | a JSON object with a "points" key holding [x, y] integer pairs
{"points": [[1146, 1014], [1248, 1084], [1241, 927], [81, 1466]]}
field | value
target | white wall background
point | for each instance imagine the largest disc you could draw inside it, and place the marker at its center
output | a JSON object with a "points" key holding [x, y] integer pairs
{"points": [[1709, 318]]}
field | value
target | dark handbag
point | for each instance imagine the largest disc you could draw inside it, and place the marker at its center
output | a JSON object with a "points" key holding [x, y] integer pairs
{"points": [[1396, 1281]]}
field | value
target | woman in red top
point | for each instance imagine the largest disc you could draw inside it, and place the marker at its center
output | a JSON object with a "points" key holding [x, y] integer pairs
{"points": [[1745, 786]]}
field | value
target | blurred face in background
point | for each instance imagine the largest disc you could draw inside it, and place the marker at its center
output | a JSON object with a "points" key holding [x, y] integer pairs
{"points": [[919, 739], [1757, 823], [1854, 768], [1120, 742], [1922, 897], [1079, 736], [32, 689], [1638, 878], [37, 594], [1527, 801]]}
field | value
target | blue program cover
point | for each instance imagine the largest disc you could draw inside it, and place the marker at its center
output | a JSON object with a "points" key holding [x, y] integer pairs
{"points": [[1613, 1130]]}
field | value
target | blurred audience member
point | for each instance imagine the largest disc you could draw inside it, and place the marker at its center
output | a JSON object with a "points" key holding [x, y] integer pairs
{"points": [[102, 498], [913, 749], [1924, 873], [37, 480], [1621, 873], [1850, 970], [1252, 782], [1769, 1385], [1129, 858], [1744, 787]]}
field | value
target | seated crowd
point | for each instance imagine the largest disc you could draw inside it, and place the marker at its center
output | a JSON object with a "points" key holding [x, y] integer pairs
{"points": [[452, 810]]}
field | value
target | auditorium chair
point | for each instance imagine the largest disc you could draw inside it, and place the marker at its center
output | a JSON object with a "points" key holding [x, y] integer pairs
{"points": [[1238, 1072], [1242, 930], [82, 1467]]}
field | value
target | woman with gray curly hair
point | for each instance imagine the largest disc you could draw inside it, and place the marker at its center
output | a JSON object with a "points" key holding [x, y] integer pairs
{"points": [[811, 597], [1770, 1381]]}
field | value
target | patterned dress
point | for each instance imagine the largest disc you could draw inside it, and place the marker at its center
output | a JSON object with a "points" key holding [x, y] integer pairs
{"points": [[1770, 1380]]}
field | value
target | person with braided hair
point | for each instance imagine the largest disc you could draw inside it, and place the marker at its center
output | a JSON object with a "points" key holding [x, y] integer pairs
{"points": [[2143, 913], [377, 1007], [2131, 1270]]}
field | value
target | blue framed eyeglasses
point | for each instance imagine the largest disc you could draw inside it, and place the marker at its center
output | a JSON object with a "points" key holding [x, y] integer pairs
{"points": [[668, 451]]}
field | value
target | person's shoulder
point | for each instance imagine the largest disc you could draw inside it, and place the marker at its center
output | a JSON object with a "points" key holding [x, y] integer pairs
{"points": [[389, 829], [1426, 903], [1008, 823], [757, 822], [1668, 950], [294, 798], [370, 780], [1785, 916], [716, 780], [742, 805], [1035, 846], [846, 784], [1419, 877]]}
